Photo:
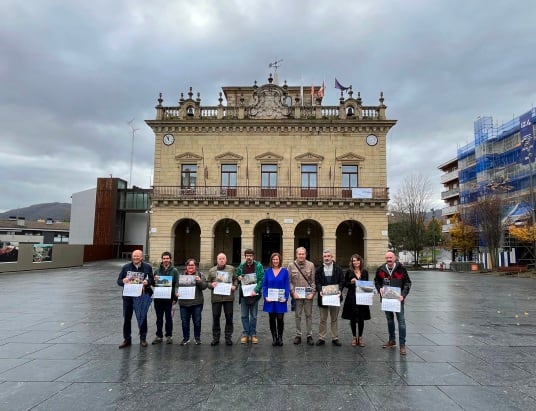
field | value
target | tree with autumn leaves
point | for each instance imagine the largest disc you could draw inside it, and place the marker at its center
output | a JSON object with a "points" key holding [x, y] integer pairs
{"points": [[525, 234], [463, 236]]}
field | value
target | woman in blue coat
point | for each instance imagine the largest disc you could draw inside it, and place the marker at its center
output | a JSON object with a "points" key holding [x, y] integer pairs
{"points": [[276, 278]]}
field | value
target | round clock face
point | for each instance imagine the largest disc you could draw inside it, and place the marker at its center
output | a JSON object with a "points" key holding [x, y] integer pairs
{"points": [[168, 139], [372, 140]]}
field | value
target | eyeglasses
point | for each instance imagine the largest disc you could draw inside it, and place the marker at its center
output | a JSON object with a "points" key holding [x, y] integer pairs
{"points": [[191, 265]]}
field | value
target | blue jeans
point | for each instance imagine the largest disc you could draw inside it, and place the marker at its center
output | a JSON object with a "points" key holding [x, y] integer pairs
{"points": [[249, 317], [401, 325], [193, 312]]}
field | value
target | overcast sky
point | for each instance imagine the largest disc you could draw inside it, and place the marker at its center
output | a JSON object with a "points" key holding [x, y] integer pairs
{"points": [[74, 73]]}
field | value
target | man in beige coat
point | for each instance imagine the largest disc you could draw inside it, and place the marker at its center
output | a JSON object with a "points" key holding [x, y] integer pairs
{"points": [[302, 289]]}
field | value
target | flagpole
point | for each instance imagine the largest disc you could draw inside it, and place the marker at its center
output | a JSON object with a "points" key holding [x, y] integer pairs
{"points": [[334, 165], [290, 171], [204, 167], [247, 169]]}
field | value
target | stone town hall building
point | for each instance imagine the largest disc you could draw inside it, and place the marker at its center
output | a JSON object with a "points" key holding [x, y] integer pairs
{"points": [[270, 169]]}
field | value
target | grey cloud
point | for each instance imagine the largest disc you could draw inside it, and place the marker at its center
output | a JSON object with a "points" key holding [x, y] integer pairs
{"points": [[73, 73]]}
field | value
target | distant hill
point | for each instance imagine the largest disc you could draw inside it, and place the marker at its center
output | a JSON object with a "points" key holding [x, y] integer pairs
{"points": [[56, 211]]}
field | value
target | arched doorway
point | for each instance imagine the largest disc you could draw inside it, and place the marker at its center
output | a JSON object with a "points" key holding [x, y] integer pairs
{"points": [[350, 240], [268, 239], [228, 240], [309, 234], [187, 241]]}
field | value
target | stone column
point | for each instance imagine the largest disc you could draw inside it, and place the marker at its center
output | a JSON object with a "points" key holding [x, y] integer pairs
{"points": [[287, 249], [206, 259]]}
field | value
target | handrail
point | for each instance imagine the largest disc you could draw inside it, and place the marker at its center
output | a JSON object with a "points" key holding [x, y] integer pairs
{"points": [[278, 193]]}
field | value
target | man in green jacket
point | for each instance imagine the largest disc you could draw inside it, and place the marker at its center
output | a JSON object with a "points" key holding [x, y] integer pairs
{"points": [[164, 306], [222, 282], [250, 303]]}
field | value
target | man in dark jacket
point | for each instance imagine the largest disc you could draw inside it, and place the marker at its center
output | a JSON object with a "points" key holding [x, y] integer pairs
{"points": [[328, 274], [164, 305], [394, 274], [134, 272], [224, 273]]}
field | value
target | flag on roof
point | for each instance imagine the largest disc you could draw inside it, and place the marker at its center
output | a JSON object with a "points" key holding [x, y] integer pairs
{"points": [[322, 90], [340, 86]]}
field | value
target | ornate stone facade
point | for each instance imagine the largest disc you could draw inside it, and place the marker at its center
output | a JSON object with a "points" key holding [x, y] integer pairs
{"points": [[272, 169]]}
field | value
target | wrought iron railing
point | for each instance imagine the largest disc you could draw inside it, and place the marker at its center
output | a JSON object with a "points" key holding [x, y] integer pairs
{"points": [[278, 193]]}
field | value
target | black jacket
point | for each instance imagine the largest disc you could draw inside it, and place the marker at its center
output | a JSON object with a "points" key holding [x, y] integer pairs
{"points": [[337, 277], [144, 268], [398, 278], [350, 310]]}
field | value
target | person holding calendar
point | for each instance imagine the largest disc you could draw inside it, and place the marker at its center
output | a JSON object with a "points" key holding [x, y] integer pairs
{"points": [[276, 291], [394, 274], [137, 271]]}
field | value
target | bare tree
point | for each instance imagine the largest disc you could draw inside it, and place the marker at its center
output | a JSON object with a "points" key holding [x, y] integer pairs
{"points": [[411, 201], [488, 211]]}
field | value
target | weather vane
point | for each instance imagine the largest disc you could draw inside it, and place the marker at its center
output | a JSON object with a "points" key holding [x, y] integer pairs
{"points": [[276, 64]]}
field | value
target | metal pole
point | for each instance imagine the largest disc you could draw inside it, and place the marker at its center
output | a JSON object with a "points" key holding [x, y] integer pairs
{"points": [[528, 147], [433, 238], [533, 216], [531, 187]]}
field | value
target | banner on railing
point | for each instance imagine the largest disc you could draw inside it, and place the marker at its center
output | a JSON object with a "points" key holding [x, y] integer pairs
{"points": [[361, 192]]}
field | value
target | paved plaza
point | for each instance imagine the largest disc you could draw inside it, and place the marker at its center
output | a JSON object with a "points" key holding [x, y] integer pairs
{"points": [[471, 345]]}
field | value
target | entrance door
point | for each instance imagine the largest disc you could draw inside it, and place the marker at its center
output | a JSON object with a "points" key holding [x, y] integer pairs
{"points": [[271, 243], [237, 246], [306, 243]]}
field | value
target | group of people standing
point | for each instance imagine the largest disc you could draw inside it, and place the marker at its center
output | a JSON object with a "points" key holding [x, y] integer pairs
{"points": [[299, 282]]}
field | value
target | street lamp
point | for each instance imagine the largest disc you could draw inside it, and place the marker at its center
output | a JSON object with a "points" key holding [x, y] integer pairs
{"points": [[433, 238]]}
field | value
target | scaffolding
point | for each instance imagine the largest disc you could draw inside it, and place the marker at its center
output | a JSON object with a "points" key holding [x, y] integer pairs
{"points": [[497, 161]]}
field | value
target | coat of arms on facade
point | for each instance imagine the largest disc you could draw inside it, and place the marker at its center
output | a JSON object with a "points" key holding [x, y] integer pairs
{"points": [[269, 102]]}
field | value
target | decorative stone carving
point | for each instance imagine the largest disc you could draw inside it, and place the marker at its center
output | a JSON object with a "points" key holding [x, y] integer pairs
{"points": [[269, 103], [310, 157], [350, 157], [229, 156], [188, 156], [268, 156]]}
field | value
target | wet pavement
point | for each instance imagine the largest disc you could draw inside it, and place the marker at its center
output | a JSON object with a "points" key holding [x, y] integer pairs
{"points": [[471, 345]]}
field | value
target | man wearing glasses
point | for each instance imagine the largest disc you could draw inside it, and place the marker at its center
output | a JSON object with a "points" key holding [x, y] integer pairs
{"points": [[163, 305], [250, 272]]}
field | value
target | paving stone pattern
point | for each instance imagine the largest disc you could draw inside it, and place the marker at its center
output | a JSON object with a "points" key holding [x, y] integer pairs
{"points": [[471, 346]]}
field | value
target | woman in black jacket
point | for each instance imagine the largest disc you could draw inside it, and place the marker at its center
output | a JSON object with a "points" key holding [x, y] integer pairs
{"points": [[357, 314]]}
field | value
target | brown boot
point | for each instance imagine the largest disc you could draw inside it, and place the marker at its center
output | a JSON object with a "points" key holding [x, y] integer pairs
{"points": [[125, 343], [389, 344]]}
